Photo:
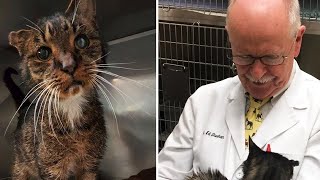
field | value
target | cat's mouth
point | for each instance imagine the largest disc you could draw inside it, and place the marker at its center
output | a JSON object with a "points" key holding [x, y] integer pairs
{"points": [[74, 86]]}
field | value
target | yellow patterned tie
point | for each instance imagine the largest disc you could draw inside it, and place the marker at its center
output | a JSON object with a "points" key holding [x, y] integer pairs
{"points": [[253, 117]]}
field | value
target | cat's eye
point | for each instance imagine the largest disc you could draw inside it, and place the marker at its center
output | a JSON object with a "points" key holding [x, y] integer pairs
{"points": [[81, 41], [43, 53]]}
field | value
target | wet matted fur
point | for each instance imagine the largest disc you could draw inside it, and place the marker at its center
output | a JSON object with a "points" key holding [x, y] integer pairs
{"points": [[259, 165], [209, 175], [62, 133]]}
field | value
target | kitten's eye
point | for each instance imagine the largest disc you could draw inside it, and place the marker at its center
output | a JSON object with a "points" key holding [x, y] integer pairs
{"points": [[82, 41], [43, 53]]}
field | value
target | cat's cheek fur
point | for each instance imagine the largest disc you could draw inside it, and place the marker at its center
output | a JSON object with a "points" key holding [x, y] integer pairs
{"points": [[38, 71]]}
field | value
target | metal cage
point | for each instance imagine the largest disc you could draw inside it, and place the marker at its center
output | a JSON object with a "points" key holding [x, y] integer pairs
{"points": [[197, 55], [309, 8], [199, 5]]}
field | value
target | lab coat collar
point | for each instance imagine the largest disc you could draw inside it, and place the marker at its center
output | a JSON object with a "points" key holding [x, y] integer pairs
{"points": [[283, 116], [235, 117], [296, 95], [280, 118]]}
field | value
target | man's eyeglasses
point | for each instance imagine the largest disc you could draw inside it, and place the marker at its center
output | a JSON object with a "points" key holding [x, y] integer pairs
{"points": [[270, 60]]}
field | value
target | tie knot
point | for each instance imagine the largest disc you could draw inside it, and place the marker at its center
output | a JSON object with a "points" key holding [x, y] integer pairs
{"points": [[257, 103]]}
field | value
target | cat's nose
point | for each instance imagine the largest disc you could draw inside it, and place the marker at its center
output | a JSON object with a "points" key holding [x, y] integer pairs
{"points": [[68, 64]]}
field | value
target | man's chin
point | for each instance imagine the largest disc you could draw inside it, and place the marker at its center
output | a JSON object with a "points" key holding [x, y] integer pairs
{"points": [[260, 91]]}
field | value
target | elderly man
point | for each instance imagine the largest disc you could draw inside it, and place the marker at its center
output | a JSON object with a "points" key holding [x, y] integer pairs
{"points": [[217, 120]]}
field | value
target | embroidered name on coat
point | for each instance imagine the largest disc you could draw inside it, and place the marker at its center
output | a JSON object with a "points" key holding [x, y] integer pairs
{"points": [[212, 134]]}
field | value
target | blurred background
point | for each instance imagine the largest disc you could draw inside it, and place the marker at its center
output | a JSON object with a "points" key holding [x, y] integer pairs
{"points": [[129, 29], [193, 51]]}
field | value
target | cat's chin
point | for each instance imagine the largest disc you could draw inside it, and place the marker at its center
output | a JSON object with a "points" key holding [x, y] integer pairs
{"points": [[71, 91], [75, 89]]}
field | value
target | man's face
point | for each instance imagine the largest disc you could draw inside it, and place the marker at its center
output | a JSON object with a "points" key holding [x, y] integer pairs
{"points": [[262, 80], [263, 29]]}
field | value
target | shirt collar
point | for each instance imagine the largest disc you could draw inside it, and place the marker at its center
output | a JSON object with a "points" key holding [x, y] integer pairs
{"points": [[277, 96]]}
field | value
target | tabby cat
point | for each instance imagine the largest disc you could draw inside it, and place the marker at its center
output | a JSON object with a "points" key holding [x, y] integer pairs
{"points": [[62, 133], [259, 165]]}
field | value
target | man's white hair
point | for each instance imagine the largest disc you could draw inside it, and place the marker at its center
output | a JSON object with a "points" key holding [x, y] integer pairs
{"points": [[293, 8]]}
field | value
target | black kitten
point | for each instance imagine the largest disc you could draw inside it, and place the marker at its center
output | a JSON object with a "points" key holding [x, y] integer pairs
{"points": [[260, 165]]}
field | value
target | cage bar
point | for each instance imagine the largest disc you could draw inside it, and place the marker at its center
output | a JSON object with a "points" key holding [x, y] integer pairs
{"points": [[199, 48], [309, 8]]}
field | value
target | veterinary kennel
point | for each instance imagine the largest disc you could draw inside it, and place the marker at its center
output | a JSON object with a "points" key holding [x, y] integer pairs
{"points": [[194, 51]]}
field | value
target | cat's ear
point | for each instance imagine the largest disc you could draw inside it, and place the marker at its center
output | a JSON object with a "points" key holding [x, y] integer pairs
{"points": [[19, 39], [294, 163], [85, 7], [253, 148]]}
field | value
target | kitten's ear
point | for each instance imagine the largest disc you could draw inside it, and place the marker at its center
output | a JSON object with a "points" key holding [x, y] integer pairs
{"points": [[85, 7], [294, 163], [19, 39], [253, 148]]}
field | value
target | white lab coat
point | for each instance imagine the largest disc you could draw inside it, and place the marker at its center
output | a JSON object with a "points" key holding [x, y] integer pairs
{"points": [[210, 132]]}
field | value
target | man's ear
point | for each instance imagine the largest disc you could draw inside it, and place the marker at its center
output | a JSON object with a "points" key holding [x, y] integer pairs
{"points": [[85, 7], [19, 39], [300, 34]]}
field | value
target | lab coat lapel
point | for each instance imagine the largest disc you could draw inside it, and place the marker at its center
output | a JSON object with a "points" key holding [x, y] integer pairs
{"points": [[281, 118], [283, 115], [235, 118]]}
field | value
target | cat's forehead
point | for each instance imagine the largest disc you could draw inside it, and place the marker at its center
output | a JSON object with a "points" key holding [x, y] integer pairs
{"points": [[57, 25], [59, 20], [60, 30]]}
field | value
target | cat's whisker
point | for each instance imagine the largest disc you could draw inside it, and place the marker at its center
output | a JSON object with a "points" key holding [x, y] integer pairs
{"points": [[35, 88], [52, 92], [81, 26], [120, 67], [56, 111], [30, 106], [75, 12], [45, 100], [113, 74], [121, 77], [44, 83], [109, 102], [119, 91], [99, 81], [33, 28], [101, 57], [112, 64], [30, 93], [35, 114], [33, 24], [56, 106], [36, 98], [58, 177]]}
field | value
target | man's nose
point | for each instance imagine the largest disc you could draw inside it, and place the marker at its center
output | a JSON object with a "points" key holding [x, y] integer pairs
{"points": [[258, 69]]}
